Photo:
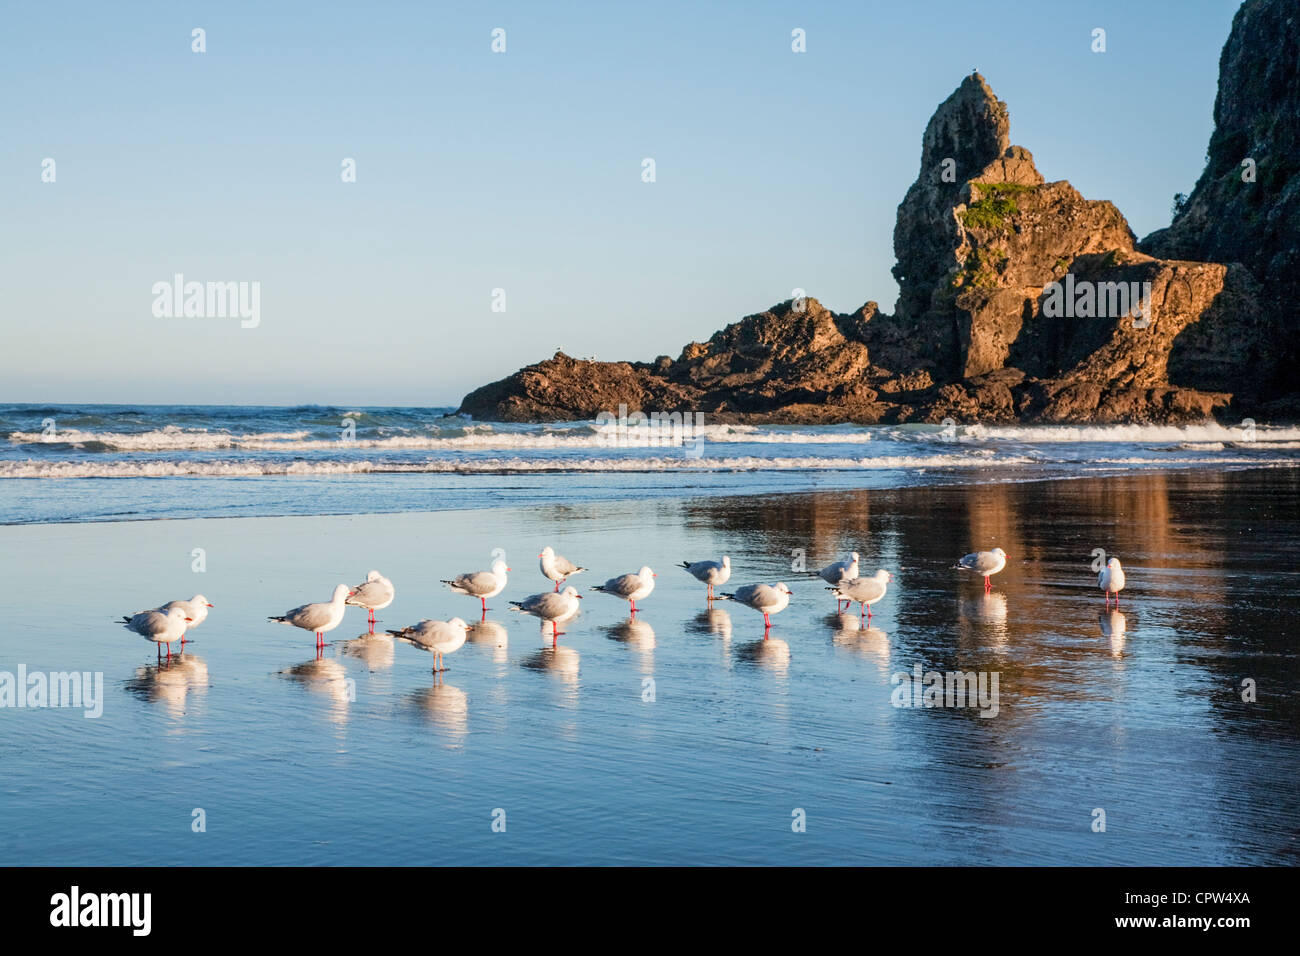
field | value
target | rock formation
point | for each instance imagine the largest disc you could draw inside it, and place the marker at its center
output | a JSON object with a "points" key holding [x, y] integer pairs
{"points": [[1246, 206], [1019, 299]]}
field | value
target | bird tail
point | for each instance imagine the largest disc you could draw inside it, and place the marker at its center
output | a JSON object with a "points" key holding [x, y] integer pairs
{"points": [[597, 587], [516, 605], [126, 619], [445, 581], [686, 565], [279, 620], [401, 632], [724, 596]]}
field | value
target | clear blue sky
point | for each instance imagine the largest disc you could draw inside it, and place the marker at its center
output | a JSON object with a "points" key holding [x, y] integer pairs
{"points": [[520, 171]]}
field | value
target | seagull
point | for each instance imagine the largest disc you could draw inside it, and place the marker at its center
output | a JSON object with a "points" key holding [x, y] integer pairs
{"points": [[986, 563], [551, 606], [481, 584], [768, 598], [318, 617], [866, 591], [557, 567], [845, 570], [1111, 581], [710, 572], [630, 587], [159, 627], [437, 637], [374, 595], [196, 609]]}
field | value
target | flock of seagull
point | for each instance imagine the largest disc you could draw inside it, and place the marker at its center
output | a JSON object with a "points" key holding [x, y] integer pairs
{"points": [[172, 621]]}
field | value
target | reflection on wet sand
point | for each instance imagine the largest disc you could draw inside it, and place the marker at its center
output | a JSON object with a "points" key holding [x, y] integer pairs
{"points": [[770, 652], [491, 634], [559, 660], [634, 632], [713, 621], [444, 705], [982, 620], [850, 632], [170, 682], [1113, 625], [327, 677], [373, 650]]}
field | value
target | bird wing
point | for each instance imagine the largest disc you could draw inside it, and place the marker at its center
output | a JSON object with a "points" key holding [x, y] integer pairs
{"points": [[564, 566], [309, 616], [764, 596], [979, 561], [866, 589], [623, 585], [479, 582], [834, 573], [372, 592]]}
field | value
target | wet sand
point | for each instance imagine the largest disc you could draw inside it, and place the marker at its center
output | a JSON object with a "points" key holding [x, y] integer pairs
{"points": [[366, 757]]}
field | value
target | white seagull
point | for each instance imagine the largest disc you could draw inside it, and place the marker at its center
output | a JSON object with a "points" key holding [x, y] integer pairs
{"points": [[986, 563], [481, 584], [436, 637], [845, 570], [1111, 581], [768, 598], [159, 627], [630, 587], [374, 595], [556, 607], [196, 609], [321, 617], [710, 572], [556, 567], [866, 591]]}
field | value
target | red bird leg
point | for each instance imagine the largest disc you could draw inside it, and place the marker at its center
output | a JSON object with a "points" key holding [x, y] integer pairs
{"points": [[484, 603], [557, 587]]}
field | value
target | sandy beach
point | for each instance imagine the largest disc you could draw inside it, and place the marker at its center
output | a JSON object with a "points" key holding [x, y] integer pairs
{"points": [[683, 736]]}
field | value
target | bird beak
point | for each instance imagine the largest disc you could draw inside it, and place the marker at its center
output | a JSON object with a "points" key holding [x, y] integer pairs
{"points": [[188, 619], [654, 575], [539, 554], [579, 597], [210, 605], [508, 569]]}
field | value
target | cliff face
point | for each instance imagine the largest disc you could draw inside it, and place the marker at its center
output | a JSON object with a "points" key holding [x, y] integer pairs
{"points": [[1019, 299], [1246, 206]]}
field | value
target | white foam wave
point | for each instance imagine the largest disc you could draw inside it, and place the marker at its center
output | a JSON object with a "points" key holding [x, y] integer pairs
{"points": [[484, 436], [167, 469], [248, 468]]}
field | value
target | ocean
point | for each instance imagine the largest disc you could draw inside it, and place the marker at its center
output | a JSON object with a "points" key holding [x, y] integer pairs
{"points": [[267, 461]]}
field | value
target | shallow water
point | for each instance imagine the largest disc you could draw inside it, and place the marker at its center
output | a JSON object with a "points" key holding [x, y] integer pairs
{"points": [[365, 757]]}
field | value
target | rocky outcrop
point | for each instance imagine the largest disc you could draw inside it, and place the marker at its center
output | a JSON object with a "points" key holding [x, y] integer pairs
{"points": [[1246, 206], [1019, 299]]}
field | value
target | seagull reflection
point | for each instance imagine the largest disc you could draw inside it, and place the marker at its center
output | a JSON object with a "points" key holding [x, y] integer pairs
{"points": [[1113, 625], [444, 705], [556, 659], [490, 634], [634, 633], [373, 650], [850, 634], [770, 652], [170, 682], [713, 621], [985, 615], [327, 677]]}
